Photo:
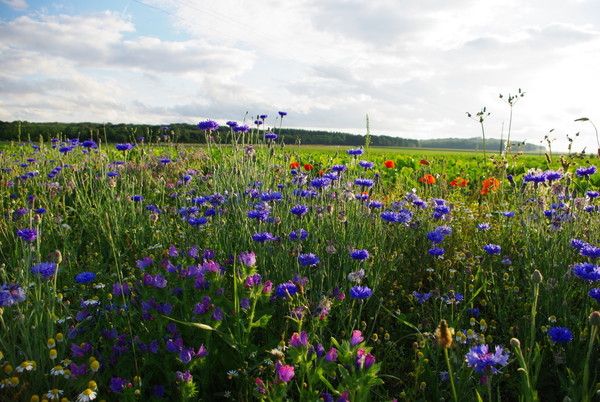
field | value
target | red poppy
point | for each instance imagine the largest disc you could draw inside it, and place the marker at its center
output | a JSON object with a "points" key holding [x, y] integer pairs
{"points": [[428, 179], [459, 182], [308, 166], [321, 172], [294, 165], [390, 164], [490, 184], [424, 162]]}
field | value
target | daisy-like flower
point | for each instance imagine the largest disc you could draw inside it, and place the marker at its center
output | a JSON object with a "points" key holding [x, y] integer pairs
{"points": [[86, 395], [54, 394], [28, 365], [57, 370]]}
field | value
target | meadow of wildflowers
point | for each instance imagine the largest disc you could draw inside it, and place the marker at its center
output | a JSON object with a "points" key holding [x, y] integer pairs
{"points": [[258, 271]]}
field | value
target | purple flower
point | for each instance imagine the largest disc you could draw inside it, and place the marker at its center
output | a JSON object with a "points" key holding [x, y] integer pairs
{"points": [[360, 292], [10, 294], [485, 362], [355, 152], [299, 234], [85, 277], [28, 235], [137, 198], [483, 226], [435, 237], [285, 373], [45, 269], [364, 360], [586, 172], [590, 251], [320, 182], [560, 334], [124, 147], [217, 314], [364, 182], [270, 136], [253, 280], [182, 377], [339, 168], [286, 289], [552, 175], [492, 249], [587, 271], [436, 251], [208, 125], [366, 164], [299, 340], [331, 355], [117, 384], [308, 260], [595, 294], [248, 259], [144, 263], [359, 255], [299, 210], [263, 237]]}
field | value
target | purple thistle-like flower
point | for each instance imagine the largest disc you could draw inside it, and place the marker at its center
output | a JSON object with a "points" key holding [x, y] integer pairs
{"points": [[492, 249], [309, 260], [85, 277], [560, 334], [286, 289], [27, 234], [360, 292], [586, 171], [590, 251], [299, 210], [45, 269], [485, 362], [208, 125], [587, 271]]}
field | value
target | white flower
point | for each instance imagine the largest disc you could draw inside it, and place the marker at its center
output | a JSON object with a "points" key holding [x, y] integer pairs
{"points": [[85, 396], [54, 393]]}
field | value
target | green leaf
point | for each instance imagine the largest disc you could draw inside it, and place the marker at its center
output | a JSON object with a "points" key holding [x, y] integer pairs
{"points": [[262, 322]]}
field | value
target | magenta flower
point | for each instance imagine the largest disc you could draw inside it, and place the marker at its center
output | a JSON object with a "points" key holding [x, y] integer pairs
{"points": [[331, 356], [299, 340], [356, 337], [364, 360], [248, 259], [285, 373]]}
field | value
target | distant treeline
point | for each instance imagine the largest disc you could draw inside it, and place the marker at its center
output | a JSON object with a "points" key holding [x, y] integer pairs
{"points": [[189, 133]]}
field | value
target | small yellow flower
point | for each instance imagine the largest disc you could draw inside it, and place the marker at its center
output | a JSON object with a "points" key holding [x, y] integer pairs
{"points": [[51, 343], [92, 385], [34, 398], [8, 369], [53, 354], [60, 337], [94, 366], [13, 381]]}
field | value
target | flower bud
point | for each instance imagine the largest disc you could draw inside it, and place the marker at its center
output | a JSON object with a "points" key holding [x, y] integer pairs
{"points": [[595, 318], [536, 277]]}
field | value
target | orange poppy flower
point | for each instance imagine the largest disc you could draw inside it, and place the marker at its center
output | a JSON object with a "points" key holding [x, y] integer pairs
{"points": [[389, 164], [294, 165], [459, 182], [428, 179], [321, 172], [424, 162], [308, 166], [490, 184]]}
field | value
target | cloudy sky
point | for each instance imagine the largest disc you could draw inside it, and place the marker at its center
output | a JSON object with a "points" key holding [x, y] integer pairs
{"points": [[414, 67]]}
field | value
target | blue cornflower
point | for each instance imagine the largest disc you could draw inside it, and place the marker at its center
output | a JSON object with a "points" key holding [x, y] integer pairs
{"points": [[592, 194], [259, 215], [355, 152], [137, 198], [11, 293], [27, 234], [299, 210], [262, 237], [535, 177], [308, 260], [375, 204], [44, 269], [299, 234], [560, 334], [422, 297], [339, 168], [590, 251], [436, 251], [552, 175], [595, 294], [486, 362], [124, 147], [360, 292], [286, 289], [444, 229], [89, 144], [208, 125], [435, 237], [85, 277], [364, 182], [586, 172], [359, 255], [320, 182], [112, 173], [508, 214], [366, 164], [587, 271], [492, 249], [578, 243], [241, 129]]}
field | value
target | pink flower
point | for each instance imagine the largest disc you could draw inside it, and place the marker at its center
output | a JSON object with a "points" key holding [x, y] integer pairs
{"points": [[356, 338], [285, 373]]}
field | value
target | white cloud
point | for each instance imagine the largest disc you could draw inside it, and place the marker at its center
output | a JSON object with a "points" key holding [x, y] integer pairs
{"points": [[18, 5]]}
